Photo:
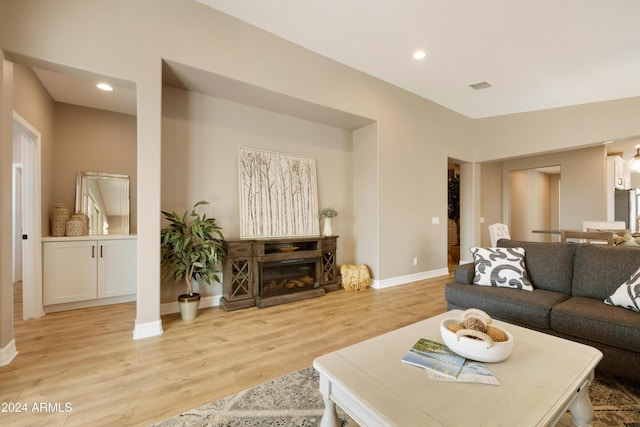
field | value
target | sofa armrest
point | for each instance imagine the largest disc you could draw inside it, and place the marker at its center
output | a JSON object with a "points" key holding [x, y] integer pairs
{"points": [[464, 273]]}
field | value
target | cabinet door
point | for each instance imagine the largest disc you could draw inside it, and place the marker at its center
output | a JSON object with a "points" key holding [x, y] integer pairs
{"points": [[116, 268], [69, 271]]}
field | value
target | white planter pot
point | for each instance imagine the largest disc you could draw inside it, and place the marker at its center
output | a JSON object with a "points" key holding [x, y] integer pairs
{"points": [[328, 227], [189, 305]]}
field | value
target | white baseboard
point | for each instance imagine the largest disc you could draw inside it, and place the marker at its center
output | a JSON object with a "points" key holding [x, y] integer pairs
{"points": [[89, 303], [147, 330], [403, 280], [8, 353], [205, 302]]}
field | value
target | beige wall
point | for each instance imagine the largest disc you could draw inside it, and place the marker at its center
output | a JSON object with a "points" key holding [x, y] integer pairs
{"points": [[6, 277], [35, 105], [366, 201], [92, 140], [582, 191], [200, 139], [545, 131], [554, 205], [530, 204], [491, 209]]}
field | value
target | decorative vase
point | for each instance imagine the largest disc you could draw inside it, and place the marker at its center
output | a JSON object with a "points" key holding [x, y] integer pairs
{"points": [[74, 228], [79, 216], [59, 218], [189, 305], [328, 224]]}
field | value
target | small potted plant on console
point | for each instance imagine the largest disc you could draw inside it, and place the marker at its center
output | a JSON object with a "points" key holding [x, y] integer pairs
{"points": [[191, 249], [328, 214]]}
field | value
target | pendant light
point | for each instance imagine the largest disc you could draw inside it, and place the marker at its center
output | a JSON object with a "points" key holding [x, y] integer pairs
{"points": [[634, 163]]}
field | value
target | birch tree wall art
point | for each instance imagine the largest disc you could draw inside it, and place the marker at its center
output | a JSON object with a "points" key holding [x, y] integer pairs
{"points": [[278, 194]]}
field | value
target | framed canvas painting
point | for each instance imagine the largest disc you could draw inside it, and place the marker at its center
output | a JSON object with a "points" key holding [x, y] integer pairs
{"points": [[278, 194]]}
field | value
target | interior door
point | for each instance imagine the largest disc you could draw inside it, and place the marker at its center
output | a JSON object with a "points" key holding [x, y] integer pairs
{"points": [[17, 222], [26, 149]]}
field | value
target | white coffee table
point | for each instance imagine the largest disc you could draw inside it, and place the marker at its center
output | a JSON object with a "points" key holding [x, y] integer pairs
{"points": [[543, 378]]}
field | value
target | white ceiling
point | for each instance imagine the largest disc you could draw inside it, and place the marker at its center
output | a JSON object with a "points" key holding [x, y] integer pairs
{"points": [[536, 54]]}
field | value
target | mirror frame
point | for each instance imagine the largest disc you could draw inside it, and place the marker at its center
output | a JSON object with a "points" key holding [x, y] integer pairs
{"points": [[121, 227]]}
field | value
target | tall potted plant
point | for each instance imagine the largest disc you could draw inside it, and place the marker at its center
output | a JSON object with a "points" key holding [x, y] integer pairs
{"points": [[191, 249]]}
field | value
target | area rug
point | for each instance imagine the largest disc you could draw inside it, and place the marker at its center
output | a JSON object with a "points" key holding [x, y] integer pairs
{"points": [[293, 400]]}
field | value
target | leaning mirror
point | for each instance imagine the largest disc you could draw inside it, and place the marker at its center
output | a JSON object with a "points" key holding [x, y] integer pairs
{"points": [[104, 198]]}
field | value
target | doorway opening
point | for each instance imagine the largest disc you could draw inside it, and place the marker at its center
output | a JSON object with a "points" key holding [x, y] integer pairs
{"points": [[534, 203], [453, 213]]}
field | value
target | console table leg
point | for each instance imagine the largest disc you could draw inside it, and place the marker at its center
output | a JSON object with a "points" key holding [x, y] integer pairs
{"points": [[581, 408]]}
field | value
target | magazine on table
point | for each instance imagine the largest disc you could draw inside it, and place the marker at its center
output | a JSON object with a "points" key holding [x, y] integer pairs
{"points": [[471, 372], [434, 357], [442, 364]]}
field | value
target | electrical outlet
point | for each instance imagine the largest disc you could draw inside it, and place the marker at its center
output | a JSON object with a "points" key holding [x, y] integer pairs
{"points": [[435, 220], [415, 261]]}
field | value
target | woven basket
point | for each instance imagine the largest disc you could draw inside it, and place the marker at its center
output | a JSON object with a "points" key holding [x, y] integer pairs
{"points": [[355, 277]]}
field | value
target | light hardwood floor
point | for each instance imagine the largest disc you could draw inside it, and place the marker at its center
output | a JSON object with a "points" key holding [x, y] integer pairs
{"points": [[88, 359]]}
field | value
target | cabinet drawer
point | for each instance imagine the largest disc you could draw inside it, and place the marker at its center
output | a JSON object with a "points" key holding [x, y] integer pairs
{"points": [[329, 245], [239, 249]]}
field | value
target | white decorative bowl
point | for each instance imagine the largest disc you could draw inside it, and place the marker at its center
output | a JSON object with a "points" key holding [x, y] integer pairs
{"points": [[473, 348]]}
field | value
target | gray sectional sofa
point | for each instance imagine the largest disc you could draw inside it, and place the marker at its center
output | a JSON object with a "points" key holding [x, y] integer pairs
{"points": [[570, 283]]}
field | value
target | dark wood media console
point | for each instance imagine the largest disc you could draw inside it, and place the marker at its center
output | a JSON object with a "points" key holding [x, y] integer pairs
{"points": [[266, 272]]}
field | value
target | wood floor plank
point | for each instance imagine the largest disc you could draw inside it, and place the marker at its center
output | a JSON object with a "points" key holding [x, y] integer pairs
{"points": [[87, 358]]}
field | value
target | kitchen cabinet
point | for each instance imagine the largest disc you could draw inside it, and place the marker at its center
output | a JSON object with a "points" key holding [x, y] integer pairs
{"points": [[618, 178], [87, 271]]}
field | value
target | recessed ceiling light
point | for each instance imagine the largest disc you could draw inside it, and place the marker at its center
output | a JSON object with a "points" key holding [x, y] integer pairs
{"points": [[104, 86], [419, 54]]}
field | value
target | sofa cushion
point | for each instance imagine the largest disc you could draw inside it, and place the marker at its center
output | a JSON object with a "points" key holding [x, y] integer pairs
{"points": [[550, 265], [596, 321], [464, 273], [512, 305], [628, 294], [600, 269], [502, 267]]}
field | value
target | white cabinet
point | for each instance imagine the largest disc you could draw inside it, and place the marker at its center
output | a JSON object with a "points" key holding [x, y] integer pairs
{"points": [[618, 178], [69, 272], [89, 269], [618, 173], [116, 268]]}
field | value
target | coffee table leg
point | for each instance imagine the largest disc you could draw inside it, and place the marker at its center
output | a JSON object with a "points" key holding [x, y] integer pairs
{"points": [[329, 416], [581, 408]]}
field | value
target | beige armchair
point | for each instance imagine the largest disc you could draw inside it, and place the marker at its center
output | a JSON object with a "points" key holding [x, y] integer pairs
{"points": [[498, 231]]}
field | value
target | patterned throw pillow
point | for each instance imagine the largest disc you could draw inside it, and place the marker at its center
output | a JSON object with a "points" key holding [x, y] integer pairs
{"points": [[503, 267], [628, 294]]}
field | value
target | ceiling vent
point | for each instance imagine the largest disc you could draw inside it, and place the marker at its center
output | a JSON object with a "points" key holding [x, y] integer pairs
{"points": [[480, 85]]}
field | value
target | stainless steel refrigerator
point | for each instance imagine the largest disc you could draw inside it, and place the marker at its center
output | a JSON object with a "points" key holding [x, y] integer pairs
{"points": [[626, 208]]}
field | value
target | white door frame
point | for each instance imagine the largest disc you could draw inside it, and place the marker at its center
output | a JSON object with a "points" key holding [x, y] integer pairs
{"points": [[30, 145], [17, 222]]}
